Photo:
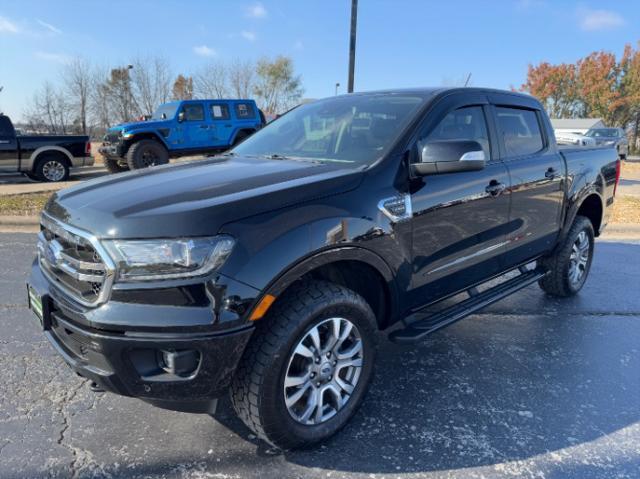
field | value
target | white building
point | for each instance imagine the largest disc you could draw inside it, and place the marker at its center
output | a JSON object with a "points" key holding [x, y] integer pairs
{"points": [[576, 125]]}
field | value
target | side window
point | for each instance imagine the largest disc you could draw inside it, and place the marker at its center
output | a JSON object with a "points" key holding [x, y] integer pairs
{"points": [[220, 111], [466, 123], [6, 129], [520, 131], [193, 112], [245, 110]]}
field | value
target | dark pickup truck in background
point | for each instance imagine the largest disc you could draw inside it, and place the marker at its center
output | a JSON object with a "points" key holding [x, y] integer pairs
{"points": [[267, 271], [42, 157]]}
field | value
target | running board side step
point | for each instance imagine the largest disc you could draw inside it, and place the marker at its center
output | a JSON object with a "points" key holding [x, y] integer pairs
{"points": [[420, 325]]}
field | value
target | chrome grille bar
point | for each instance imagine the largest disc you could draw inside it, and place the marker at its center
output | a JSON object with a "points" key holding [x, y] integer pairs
{"points": [[75, 261]]}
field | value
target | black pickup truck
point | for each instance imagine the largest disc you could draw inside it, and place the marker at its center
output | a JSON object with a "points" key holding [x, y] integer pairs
{"points": [[41, 157], [268, 270]]}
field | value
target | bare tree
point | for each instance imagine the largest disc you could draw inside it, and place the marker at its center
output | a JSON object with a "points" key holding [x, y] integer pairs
{"points": [[100, 100], [277, 87], [150, 83], [241, 78], [211, 81], [50, 110], [77, 81]]}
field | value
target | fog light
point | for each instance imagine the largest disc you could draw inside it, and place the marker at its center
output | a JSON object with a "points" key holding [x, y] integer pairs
{"points": [[180, 363]]}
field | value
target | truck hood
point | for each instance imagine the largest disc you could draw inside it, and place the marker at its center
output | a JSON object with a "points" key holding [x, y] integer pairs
{"points": [[195, 198], [135, 125]]}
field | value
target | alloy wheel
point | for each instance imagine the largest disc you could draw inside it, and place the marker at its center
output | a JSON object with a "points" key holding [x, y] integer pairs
{"points": [[53, 170], [579, 259], [323, 371]]}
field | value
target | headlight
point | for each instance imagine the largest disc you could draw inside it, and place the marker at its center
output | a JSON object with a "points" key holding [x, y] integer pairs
{"points": [[145, 260], [126, 134]]}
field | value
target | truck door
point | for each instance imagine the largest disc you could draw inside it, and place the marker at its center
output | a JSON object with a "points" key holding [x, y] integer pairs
{"points": [[195, 128], [459, 219], [537, 171], [221, 126], [9, 154]]}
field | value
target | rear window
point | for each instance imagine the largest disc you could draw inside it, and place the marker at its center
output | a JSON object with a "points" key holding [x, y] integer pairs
{"points": [[245, 110], [6, 129], [520, 131]]}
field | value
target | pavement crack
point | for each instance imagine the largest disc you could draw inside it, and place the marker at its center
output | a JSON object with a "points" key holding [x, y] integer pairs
{"points": [[66, 423]]}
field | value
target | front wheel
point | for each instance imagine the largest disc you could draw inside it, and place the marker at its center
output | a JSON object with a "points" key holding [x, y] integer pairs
{"points": [[570, 263], [145, 153], [114, 166], [307, 367]]}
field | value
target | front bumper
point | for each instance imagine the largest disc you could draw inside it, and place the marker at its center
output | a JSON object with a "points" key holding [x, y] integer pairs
{"points": [[112, 150], [129, 362]]}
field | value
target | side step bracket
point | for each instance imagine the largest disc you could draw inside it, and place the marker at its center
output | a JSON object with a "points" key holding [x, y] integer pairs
{"points": [[423, 324]]}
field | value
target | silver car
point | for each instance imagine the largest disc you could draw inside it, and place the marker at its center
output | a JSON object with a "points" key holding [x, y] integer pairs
{"points": [[615, 137]]}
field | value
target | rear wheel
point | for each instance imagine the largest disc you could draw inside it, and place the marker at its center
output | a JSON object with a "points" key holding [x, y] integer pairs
{"points": [[570, 263], [307, 367], [52, 168], [114, 166], [145, 153], [240, 137]]}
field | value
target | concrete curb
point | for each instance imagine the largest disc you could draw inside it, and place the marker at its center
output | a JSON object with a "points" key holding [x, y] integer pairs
{"points": [[19, 220]]}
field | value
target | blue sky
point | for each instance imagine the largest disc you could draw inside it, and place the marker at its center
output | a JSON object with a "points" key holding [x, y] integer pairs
{"points": [[400, 43]]}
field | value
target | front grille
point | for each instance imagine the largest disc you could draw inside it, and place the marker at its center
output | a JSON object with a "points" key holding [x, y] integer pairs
{"points": [[74, 261], [112, 137]]}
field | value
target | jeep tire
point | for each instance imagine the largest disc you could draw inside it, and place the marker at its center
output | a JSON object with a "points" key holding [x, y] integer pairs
{"points": [[145, 153]]}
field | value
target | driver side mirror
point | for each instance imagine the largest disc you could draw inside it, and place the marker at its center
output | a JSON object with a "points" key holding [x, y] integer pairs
{"points": [[451, 156], [180, 117]]}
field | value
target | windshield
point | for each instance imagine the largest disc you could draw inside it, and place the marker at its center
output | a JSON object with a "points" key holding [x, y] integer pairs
{"points": [[350, 129], [603, 132], [165, 112]]}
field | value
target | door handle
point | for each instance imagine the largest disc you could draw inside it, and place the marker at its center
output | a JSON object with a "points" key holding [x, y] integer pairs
{"points": [[228, 126], [204, 127], [551, 173], [495, 188]]}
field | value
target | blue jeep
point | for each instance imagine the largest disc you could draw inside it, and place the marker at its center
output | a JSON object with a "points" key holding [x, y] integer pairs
{"points": [[180, 128]]}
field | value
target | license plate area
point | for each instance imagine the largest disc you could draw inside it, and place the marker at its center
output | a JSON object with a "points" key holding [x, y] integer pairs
{"points": [[39, 304]]}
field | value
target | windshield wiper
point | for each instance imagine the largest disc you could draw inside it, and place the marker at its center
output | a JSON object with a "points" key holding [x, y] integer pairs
{"points": [[276, 156]]}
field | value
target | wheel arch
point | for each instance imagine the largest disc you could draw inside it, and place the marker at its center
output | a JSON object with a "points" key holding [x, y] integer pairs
{"points": [[39, 153], [145, 135], [591, 205], [356, 268]]}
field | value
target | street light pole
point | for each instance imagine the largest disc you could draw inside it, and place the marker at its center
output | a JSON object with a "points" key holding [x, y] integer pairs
{"points": [[337, 86], [352, 43]]}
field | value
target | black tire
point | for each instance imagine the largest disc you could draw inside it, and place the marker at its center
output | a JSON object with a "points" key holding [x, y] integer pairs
{"points": [[240, 137], [51, 168], [113, 166], [559, 282], [145, 153], [257, 391]]}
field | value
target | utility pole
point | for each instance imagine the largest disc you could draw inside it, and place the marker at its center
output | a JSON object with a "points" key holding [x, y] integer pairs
{"points": [[352, 44], [337, 86]]}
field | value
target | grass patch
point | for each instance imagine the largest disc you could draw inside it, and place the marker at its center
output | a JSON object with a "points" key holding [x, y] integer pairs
{"points": [[626, 209], [23, 205]]}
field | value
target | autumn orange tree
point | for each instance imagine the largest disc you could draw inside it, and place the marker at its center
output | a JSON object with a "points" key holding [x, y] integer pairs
{"points": [[598, 85]]}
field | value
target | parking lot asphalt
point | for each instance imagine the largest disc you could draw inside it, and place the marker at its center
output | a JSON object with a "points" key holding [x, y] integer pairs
{"points": [[532, 387]]}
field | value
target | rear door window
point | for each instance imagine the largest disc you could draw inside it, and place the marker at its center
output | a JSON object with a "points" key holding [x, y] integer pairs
{"points": [[519, 130], [220, 111]]}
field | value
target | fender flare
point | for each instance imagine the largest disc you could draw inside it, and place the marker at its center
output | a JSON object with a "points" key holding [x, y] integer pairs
{"points": [[575, 206], [145, 135], [332, 255], [44, 149]]}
